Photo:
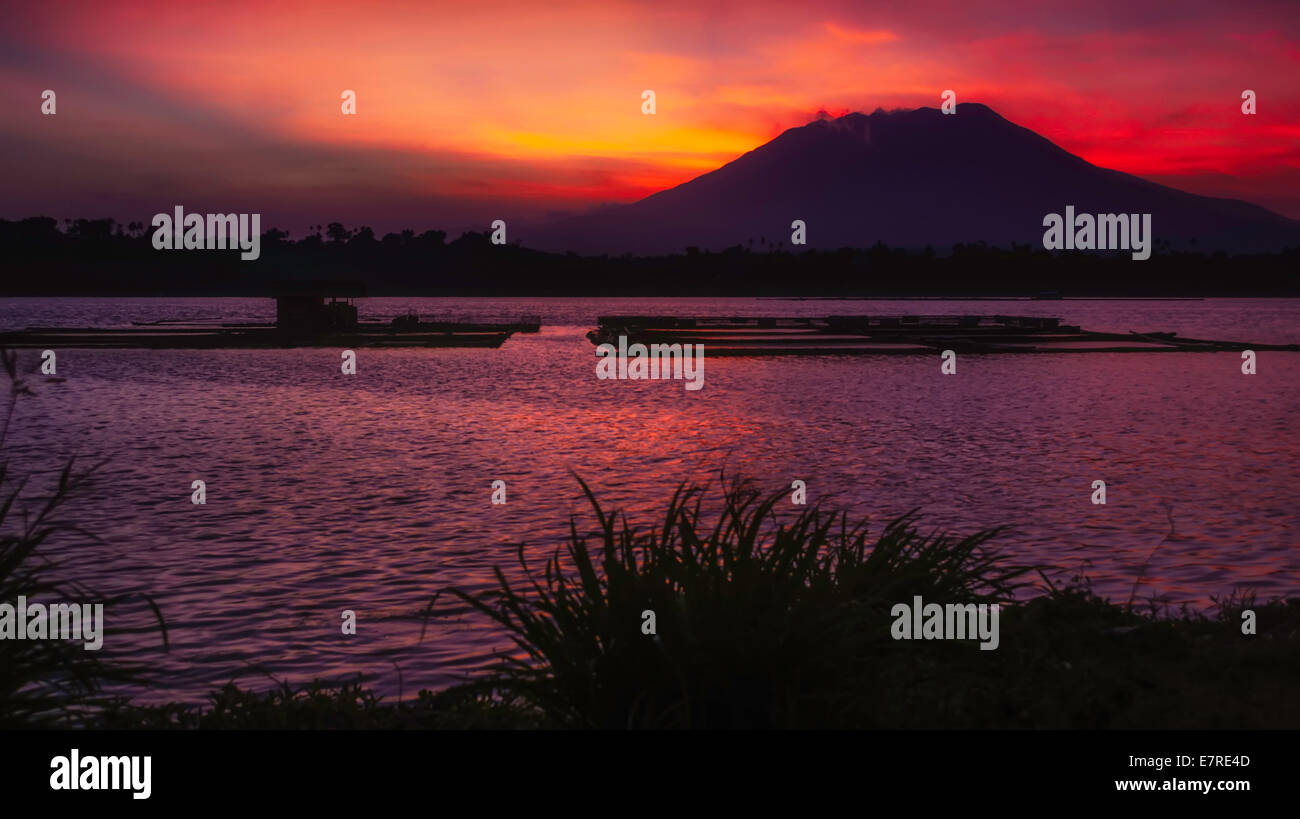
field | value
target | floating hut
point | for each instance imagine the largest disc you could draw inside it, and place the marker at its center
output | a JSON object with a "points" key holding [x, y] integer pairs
{"points": [[301, 306]]}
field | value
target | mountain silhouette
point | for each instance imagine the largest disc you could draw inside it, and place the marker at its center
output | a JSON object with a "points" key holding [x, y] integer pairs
{"points": [[908, 179]]}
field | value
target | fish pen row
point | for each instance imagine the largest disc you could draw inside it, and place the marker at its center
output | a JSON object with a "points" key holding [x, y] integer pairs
{"points": [[884, 335]]}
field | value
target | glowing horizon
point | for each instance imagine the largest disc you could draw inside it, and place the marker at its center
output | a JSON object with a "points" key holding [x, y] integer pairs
{"points": [[519, 110]]}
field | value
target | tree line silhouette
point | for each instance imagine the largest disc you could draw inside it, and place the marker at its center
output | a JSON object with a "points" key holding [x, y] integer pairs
{"points": [[106, 257]]}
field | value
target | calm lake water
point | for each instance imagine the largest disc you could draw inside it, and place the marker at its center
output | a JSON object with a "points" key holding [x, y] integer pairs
{"points": [[371, 492]]}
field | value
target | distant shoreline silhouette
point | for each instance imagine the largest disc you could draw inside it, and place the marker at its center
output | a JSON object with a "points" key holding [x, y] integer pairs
{"points": [[102, 257]]}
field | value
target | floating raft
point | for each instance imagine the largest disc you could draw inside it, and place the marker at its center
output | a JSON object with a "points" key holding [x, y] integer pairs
{"points": [[894, 335], [266, 336], [525, 325], [303, 318]]}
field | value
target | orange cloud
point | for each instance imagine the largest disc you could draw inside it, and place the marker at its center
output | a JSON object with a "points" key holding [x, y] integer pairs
{"points": [[851, 35]]}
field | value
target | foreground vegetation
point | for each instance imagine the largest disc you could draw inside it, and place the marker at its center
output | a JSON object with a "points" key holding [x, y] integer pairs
{"points": [[765, 623], [1071, 661]]}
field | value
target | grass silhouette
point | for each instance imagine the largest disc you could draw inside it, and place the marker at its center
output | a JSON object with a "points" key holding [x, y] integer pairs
{"points": [[760, 621], [48, 683]]}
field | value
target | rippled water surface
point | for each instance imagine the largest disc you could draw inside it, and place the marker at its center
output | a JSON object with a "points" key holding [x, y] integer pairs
{"points": [[371, 492]]}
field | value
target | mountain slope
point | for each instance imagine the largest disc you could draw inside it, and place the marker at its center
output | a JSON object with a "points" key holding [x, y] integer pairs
{"points": [[908, 179]]}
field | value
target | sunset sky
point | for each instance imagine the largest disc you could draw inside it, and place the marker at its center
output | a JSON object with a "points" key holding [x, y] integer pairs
{"points": [[470, 112]]}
